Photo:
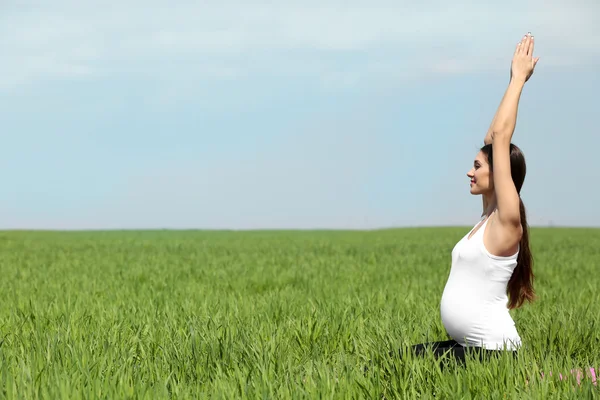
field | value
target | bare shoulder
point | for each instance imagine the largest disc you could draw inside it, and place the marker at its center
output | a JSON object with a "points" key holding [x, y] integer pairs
{"points": [[499, 239]]}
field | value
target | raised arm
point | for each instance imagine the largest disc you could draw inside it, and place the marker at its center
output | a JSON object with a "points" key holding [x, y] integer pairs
{"points": [[502, 130], [493, 126], [488, 135]]}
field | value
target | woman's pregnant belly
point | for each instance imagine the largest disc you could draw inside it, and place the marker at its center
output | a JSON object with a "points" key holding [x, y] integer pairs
{"points": [[458, 316], [473, 321]]}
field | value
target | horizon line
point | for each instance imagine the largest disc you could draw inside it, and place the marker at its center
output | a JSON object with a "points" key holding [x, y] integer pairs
{"points": [[315, 229]]}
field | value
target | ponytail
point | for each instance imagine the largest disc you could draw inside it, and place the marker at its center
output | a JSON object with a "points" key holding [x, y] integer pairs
{"points": [[520, 285]]}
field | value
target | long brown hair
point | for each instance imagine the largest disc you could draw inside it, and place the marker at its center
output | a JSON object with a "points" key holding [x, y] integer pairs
{"points": [[520, 285]]}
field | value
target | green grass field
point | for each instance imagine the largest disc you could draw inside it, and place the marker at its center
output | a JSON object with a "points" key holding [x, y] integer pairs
{"points": [[275, 315]]}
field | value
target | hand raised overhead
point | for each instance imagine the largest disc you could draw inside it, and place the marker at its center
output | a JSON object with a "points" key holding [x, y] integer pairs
{"points": [[523, 62]]}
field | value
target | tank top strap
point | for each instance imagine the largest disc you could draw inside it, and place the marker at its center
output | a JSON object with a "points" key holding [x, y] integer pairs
{"points": [[470, 234]]}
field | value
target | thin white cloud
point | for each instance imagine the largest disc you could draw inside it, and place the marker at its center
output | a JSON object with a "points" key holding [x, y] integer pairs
{"points": [[228, 39]]}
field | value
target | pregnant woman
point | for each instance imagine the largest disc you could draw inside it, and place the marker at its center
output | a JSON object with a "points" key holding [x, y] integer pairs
{"points": [[491, 269]]}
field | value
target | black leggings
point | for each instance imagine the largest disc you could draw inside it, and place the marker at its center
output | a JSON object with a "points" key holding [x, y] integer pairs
{"points": [[451, 348], [448, 350]]}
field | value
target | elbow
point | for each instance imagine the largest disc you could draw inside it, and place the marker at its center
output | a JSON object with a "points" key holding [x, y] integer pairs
{"points": [[501, 135]]}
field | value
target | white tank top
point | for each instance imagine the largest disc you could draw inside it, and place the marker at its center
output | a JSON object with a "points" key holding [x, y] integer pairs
{"points": [[474, 303]]}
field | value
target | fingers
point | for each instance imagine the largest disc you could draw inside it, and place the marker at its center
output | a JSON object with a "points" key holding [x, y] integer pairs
{"points": [[526, 44], [523, 45], [531, 44]]}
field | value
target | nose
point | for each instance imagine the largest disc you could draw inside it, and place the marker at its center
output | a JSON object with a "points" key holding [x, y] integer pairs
{"points": [[470, 174]]}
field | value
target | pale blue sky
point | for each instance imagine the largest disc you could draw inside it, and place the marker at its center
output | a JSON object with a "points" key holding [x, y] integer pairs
{"points": [[304, 114]]}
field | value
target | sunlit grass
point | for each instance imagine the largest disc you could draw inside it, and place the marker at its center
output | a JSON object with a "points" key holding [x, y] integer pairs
{"points": [[275, 315]]}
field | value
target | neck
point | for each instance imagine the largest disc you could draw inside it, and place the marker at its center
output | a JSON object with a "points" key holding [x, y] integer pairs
{"points": [[489, 203]]}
